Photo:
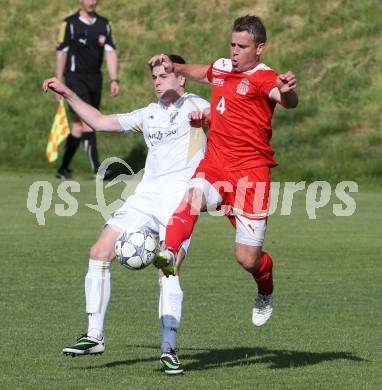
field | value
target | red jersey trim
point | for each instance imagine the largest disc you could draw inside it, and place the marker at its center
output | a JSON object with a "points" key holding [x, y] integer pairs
{"points": [[249, 215]]}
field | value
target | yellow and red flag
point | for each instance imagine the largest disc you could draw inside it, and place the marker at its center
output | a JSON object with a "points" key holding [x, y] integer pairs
{"points": [[58, 132]]}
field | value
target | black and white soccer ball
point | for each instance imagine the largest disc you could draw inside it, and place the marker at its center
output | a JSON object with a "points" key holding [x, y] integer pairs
{"points": [[136, 250]]}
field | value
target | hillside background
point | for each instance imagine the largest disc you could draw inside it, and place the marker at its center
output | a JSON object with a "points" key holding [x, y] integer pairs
{"points": [[334, 47]]}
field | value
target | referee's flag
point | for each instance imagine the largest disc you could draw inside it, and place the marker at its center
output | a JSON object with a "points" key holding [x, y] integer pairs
{"points": [[58, 132]]}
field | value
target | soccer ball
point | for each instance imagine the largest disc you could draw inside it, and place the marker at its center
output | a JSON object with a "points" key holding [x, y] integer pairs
{"points": [[136, 250]]}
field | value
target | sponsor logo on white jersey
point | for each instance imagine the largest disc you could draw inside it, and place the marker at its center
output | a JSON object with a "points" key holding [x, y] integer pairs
{"points": [[158, 135]]}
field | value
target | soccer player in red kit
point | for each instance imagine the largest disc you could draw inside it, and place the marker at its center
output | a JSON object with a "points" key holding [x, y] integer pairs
{"points": [[235, 173]]}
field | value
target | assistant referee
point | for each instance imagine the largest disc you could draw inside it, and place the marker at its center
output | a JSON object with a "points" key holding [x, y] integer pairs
{"points": [[83, 39]]}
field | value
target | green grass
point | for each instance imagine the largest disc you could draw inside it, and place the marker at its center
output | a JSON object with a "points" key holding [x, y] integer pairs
{"points": [[333, 47], [325, 332]]}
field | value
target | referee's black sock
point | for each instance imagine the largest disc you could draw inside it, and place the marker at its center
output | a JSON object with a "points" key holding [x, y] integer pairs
{"points": [[90, 144], [71, 146]]}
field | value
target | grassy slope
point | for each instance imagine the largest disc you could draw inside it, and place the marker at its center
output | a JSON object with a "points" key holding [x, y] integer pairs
{"points": [[332, 46], [325, 332]]}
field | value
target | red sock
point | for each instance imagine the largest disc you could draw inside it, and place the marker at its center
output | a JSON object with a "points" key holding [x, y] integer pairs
{"points": [[263, 274], [180, 226]]}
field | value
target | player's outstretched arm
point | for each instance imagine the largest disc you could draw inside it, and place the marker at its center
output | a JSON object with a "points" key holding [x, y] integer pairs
{"points": [[285, 94], [193, 72], [90, 115]]}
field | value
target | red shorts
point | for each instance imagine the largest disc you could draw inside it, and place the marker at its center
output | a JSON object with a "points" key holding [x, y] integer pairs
{"points": [[244, 192]]}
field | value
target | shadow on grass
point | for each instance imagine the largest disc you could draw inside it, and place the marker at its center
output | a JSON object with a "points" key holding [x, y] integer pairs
{"points": [[203, 359]]}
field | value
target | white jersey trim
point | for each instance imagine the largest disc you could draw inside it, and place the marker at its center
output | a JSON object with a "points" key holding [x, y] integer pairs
{"points": [[270, 93], [88, 22], [108, 47], [261, 66], [224, 64], [72, 63]]}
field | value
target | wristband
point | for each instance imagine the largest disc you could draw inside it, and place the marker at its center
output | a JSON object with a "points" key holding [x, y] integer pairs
{"points": [[114, 81]]}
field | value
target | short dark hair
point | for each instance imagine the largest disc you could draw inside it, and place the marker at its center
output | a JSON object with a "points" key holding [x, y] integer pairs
{"points": [[253, 25], [177, 59], [173, 57]]}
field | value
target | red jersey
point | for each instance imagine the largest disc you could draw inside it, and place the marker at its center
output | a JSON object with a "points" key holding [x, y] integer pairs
{"points": [[241, 114]]}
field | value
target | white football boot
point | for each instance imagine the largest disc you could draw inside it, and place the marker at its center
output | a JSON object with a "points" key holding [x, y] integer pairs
{"points": [[262, 310]]}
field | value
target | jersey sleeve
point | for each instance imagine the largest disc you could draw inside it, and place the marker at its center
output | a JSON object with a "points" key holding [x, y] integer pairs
{"points": [[220, 65], [132, 121], [198, 104], [63, 40], [109, 43], [268, 81], [209, 73]]}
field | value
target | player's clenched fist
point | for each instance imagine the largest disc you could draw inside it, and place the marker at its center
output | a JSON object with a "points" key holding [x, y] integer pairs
{"points": [[200, 118], [163, 59], [286, 82]]}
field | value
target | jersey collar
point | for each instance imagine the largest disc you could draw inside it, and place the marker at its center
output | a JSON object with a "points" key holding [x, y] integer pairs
{"points": [[258, 66], [85, 21], [177, 104]]}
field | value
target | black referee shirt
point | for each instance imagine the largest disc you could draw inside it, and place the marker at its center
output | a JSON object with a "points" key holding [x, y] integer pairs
{"points": [[85, 43]]}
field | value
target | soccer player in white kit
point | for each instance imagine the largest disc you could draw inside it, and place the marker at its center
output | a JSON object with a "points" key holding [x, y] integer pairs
{"points": [[174, 151]]}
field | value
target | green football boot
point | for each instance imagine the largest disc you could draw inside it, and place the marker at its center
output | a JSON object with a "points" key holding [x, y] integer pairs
{"points": [[85, 345], [170, 362]]}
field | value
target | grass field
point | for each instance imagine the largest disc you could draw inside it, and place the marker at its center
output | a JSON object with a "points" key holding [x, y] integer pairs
{"points": [[332, 46], [325, 332]]}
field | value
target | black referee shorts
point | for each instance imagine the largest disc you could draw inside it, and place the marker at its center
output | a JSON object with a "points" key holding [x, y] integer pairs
{"points": [[88, 86]]}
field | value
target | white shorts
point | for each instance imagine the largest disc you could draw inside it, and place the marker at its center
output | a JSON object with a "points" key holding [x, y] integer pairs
{"points": [[147, 210], [248, 231]]}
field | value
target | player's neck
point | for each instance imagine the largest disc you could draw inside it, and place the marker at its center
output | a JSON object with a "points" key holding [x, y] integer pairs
{"points": [[86, 15], [252, 66], [170, 97]]}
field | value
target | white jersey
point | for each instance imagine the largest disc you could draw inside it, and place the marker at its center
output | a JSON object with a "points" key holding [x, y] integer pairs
{"points": [[174, 148]]}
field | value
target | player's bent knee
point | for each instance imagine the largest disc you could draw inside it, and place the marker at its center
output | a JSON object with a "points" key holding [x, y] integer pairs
{"points": [[188, 195], [195, 197], [249, 257], [99, 252], [197, 201], [248, 264], [250, 234]]}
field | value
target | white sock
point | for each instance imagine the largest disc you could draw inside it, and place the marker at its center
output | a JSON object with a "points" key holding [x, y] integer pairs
{"points": [[97, 292], [170, 310]]}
